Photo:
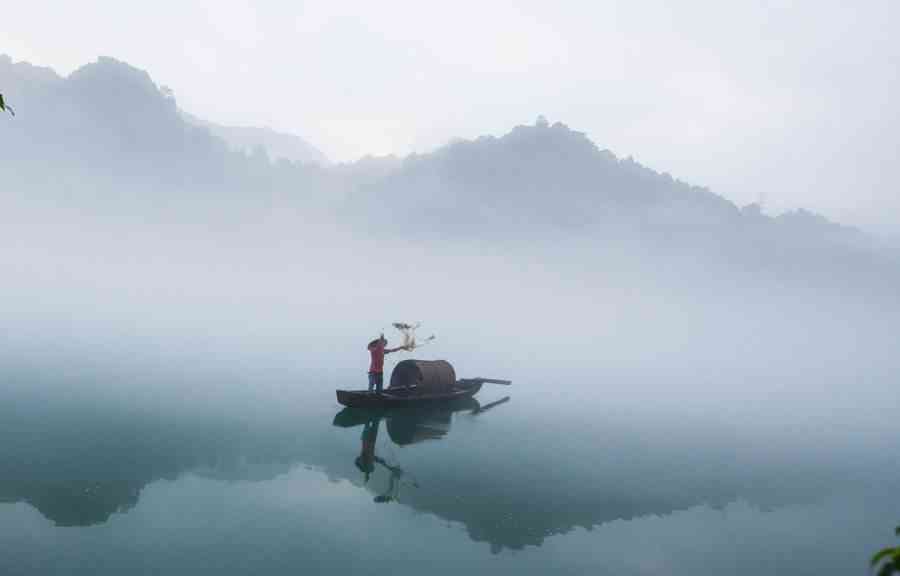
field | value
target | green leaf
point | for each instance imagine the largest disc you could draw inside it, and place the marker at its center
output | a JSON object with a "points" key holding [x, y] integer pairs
{"points": [[888, 569], [5, 107], [881, 555], [897, 531]]}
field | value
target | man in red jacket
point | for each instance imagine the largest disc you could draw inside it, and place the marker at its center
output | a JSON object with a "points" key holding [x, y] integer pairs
{"points": [[376, 367]]}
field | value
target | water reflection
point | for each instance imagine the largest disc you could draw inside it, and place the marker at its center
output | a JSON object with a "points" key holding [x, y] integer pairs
{"points": [[509, 482], [518, 494], [404, 427], [367, 459], [410, 425], [79, 461]]}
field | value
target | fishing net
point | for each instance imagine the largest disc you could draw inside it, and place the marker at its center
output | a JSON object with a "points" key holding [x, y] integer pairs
{"points": [[408, 335]]}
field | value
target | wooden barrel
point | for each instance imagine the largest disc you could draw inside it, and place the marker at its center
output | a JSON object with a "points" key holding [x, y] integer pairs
{"points": [[429, 376]]}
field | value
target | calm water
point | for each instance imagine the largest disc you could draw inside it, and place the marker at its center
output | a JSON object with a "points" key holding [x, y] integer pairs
{"points": [[203, 478]]}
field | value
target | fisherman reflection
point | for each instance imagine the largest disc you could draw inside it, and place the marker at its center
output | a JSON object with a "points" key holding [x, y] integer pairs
{"points": [[366, 459], [393, 489]]}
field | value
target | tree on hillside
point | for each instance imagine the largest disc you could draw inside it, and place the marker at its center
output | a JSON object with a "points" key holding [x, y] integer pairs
{"points": [[4, 107]]}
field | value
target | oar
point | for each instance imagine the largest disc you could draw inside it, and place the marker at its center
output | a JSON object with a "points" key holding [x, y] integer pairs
{"points": [[479, 381], [486, 407], [494, 381]]}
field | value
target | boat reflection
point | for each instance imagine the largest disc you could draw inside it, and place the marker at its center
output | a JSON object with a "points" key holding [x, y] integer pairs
{"points": [[411, 425], [404, 426]]}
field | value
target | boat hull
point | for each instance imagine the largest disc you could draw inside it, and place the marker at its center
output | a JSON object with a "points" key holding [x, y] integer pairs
{"points": [[399, 397]]}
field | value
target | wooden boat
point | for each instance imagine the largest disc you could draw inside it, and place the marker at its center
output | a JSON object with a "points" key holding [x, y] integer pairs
{"points": [[350, 417], [406, 396], [417, 382]]}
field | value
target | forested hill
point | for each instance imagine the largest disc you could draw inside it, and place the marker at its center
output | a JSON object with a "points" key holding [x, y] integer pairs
{"points": [[108, 131], [552, 177]]}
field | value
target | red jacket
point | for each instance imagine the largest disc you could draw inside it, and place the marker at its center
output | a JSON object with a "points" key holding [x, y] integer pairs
{"points": [[376, 349]]}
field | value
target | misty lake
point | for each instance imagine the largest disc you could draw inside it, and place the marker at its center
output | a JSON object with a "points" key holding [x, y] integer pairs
{"points": [[702, 345], [102, 477]]}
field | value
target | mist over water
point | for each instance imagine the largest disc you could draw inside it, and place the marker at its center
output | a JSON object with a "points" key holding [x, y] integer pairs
{"points": [[582, 318], [686, 372]]}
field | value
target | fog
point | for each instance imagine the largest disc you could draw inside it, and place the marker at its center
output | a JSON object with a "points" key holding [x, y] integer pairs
{"points": [[142, 257]]}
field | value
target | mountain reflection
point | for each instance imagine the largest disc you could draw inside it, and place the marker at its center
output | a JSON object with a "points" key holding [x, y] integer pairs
{"points": [[509, 484], [512, 510], [79, 461]]}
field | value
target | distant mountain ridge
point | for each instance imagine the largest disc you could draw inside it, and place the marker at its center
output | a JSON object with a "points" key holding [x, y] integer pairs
{"points": [[21, 80], [543, 175], [278, 145], [109, 127]]}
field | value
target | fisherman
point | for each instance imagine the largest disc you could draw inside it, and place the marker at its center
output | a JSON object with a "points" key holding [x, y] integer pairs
{"points": [[376, 367]]}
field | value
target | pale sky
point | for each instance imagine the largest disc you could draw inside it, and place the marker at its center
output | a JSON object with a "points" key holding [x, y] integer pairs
{"points": [[792, 102]]}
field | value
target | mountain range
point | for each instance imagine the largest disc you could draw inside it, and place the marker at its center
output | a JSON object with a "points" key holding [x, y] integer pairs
{"points": [[108, 131]]}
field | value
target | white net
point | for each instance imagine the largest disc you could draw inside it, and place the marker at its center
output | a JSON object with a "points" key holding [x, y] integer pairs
{"points": [[408, 335]]}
